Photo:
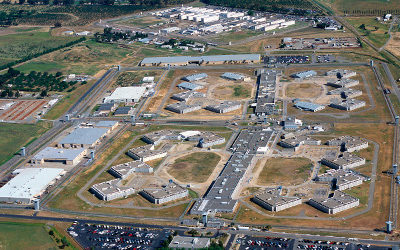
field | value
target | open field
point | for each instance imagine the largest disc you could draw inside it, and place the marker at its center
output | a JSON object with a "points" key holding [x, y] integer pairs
{"points": [[303, 90], [143, 22], [195, 167], [234, 36], [130, 78], [363, 7], [287, 171], [16, 235], [375, 31], [14, 136]]}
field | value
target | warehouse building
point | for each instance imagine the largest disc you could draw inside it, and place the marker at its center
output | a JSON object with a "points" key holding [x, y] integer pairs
{"points": [[189, 86], [126, 95], [344, 73], [167, 193], [195, 77], [124, 111], [343, 161], [111, 125], [335, 203], [184, 242], [344, 83], [157, 137], [187, 95], [234, 76], [341, 179], [182, 107], [83, 137], [216, 59], [348, 104], [106, 108], [305, 74], [67, 156], [224, 107], [147, 153], [265, 98], [291, 123], [111, 190], [208, 139], [124, 170], [29, 184], [309, 106], [272, 200], [346, 92], [349, 143]]}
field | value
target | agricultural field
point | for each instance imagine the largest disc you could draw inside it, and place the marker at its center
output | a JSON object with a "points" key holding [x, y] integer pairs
{"points": [[375, 31], [363, 7]]}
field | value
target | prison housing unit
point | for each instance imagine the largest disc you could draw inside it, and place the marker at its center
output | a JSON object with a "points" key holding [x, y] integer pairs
{"points": [[182, 107], [126, 95], [195, 77], [338, 202], [343, 161], [189, 86], [157, 137], [234, 76], [224, 107], [346, 92], [83, 137], [187, 95], [344, 73], [349, 143], [184, 242], [220, 197], [124, 170], [111, 190], [305, 74], [201, 60], [341, 179], [167, 193], [272, 200], [291, 123], [309, 106], [29, 184], [296, 142], [147, 153], [344, 83], [348, 104], [68, 156], [208, 139], [265, 98]]}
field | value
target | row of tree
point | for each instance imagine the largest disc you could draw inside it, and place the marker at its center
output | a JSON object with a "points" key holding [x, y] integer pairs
{"points": [[158, 3], [109, 36]]}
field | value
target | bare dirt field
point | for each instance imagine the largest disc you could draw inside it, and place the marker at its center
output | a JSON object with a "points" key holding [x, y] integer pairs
{"points": [[21, 110], [303, 90]]}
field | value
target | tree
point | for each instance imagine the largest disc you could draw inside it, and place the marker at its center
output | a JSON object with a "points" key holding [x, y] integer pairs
{"points": [[362, 26], [57, 25], [64, 242], [21, 1], [43, 93], [10, 93], [17, 95], [3, 94], [51, 233], [250, 12], [338, 75]]}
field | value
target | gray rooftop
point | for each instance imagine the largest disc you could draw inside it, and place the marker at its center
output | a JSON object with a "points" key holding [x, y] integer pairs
{"points": [[58, 153], [86, 136]]}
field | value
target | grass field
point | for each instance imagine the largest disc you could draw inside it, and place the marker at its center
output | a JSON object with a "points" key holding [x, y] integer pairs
{"points": [[234, 36], [15, 235], [290, 171], [363, 7], [375, 31], [196, 167], [142, 22], [240, 91], [15, 136]]}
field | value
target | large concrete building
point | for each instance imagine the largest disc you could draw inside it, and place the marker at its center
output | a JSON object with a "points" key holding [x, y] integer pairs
{"points": [[344, 73], [195, 77], [309, 106], [305, 74], [335, 203], [344, 83], [124, 170], [167, 193], [224, 107], [182, 107], [184, 242], [83, 137], [28, 184], [147, 153], [187, 95], [346, 92], [343, 161], [126, 95], [272, 200], [265, 98], [68, 156], [341, 179], [208, 139], [111, 190], [296, 142], [349, 143], [348, 104]]}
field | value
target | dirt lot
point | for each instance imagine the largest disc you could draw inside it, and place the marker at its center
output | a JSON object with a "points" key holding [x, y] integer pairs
{"points": [[21, 110], [303, 90]]}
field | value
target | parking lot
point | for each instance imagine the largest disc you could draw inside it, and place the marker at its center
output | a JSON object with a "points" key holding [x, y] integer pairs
{"points": [[331, 245], [287, 59], [116, 237], [249, 242]]}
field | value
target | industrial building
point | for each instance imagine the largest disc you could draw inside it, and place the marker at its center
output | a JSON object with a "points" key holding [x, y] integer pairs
{"points": [[335, 203], [224, 107], [309, 106], [208, 139], [124, 111], [272, 200], [106, 108], [344, 73], [195, 77], [343, 161], [201, 60], [167, 193], [185, 242], [346, 92], [124, 170], [234, 76], [296, 142], [187, 95], [344, 83], [111, 125], [291, 123], [28, 184], [111, 190], [190, 86], [349, 143], [305, 74], [348, 104], [68, 156], [265, 98], [157, 137], [341, 179], [83, 137], [182, 107], [147, 153], [126, 95]]}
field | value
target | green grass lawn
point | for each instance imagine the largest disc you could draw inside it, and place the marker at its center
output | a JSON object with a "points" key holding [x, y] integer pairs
{"points": [[195, 167], [234, 36], [143, 22], [375, 31], [15, 136], [42, 66], [15, 235], [361, 7], [241, 91]]}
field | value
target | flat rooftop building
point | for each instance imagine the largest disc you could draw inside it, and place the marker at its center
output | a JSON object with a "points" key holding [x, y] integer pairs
{"points": [[68, 156], [195, 77], [208, 139], [124, 170], [309, 106], [83, 137], [296, 142], [341, 179], [111, 190], [348, 104], [349, 143], [186, 60], [106, 108], [182, 107], [344, 73], [224, 107], [344, 83], [187, 95], [189, 86], [111, 125], [304, 74], [343, 161], [157, 137], [346, 92], [184, 242], [147, 153], [272, 200], [335, 203], [126, 95], [168, 193], [233, 76], [124, 111], [28, 184]]}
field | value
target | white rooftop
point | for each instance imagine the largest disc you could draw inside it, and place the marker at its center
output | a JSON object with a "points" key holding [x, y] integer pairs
{"points": [[124, 93], [29, 182]]}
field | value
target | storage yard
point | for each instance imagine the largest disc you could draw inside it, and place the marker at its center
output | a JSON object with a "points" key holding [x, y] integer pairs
{"points": [[25, 111]]}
